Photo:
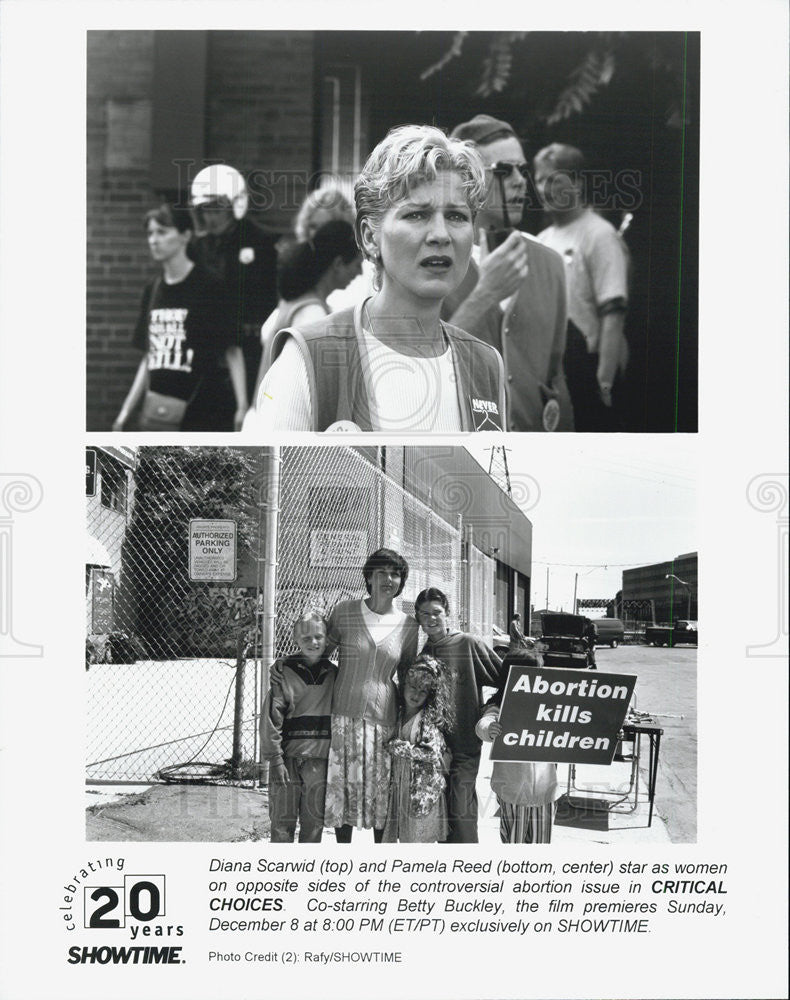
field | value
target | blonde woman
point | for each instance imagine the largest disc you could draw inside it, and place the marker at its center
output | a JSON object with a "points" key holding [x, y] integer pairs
{"points": [[391, 363]]}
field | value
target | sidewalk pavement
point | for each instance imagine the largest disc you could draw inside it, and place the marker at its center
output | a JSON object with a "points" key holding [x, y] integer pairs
{"points": [[228, 814]]}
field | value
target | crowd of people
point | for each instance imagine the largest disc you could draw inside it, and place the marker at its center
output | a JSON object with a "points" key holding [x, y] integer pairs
{"points": [[390, 737], [422, 307]]}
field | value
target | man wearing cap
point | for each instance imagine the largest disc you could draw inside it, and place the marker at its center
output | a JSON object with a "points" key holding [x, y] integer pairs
{"points": [[597, 272], [237, 252], [514, 295]]}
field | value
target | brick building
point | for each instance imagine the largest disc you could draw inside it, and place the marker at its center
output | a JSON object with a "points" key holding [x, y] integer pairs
{"points": [[242, 98], [109, 491], [667, 590], [285, 106]]}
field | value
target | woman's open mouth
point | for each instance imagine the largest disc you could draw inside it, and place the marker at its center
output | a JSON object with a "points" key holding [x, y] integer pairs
{"points": [[437, 263]]}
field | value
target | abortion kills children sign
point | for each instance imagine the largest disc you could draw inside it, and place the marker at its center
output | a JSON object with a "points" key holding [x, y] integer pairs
{"points": [[567, 716], [212, 551]]}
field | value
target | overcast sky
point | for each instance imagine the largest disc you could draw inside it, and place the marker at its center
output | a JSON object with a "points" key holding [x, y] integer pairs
{"points": [[599, 505]]}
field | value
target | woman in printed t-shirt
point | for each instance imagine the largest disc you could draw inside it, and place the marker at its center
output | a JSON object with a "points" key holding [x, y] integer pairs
{"points": [[390, 363], [192, 374]]}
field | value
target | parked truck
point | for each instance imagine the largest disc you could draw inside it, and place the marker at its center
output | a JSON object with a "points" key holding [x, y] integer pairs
{"points": [[680, 631]]}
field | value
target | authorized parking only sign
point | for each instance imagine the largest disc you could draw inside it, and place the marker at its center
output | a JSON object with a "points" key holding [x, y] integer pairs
{"points": [[212, 551]]}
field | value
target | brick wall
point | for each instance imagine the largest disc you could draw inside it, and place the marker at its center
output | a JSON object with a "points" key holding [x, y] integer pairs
{"points": [[119, 85], [259, 110], [260, 115]]}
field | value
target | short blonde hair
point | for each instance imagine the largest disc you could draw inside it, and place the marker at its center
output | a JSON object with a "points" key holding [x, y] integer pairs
{"points": [[410, 155], [329, 198], [560, 156], [306, 618]]}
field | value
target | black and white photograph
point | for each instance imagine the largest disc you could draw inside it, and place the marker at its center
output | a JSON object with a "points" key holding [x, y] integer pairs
{"points": [[284, 713], [331, 632], [392, 231]]}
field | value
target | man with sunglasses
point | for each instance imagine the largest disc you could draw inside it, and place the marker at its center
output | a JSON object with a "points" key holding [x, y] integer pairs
{"points": [[514, 294], [237, 253]]}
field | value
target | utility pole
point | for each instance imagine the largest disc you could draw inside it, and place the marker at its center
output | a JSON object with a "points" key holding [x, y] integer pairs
{"points": [[547, 588], [268, 504], [498, 470], [575, 584], [672, 576]]}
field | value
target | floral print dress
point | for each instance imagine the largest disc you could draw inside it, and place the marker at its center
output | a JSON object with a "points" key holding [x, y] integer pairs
{"points": [[417, 811]]}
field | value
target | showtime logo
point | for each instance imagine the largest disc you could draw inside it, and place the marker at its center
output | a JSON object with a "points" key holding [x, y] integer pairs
{"points": [[125, 955]]}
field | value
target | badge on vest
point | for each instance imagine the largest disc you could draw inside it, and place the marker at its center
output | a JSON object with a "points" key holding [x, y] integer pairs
{"points": [[485, 414], [343, 427], [551, 415]]}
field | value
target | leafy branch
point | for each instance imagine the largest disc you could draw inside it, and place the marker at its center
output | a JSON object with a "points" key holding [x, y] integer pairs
{"points": [[595, 71], [498, 64]]}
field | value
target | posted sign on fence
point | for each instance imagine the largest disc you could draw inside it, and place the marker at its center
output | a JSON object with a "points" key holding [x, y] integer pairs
{"points": [[338, 547], [90, 472], [103, 600], [212, 551], [567, 716]]}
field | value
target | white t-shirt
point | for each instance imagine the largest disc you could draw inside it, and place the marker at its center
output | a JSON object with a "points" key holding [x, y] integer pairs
{"points": [[358, 290], [411, 394], [380, 626], [406, 393], [596, 267]]}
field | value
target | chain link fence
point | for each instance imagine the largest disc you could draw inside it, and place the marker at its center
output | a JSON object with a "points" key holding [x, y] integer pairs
{"points": [[174, 668], [338, 506], [480, 600], [162, 651]]}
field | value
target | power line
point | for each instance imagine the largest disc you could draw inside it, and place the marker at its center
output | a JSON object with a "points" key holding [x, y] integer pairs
{"points": [[608, 565]]}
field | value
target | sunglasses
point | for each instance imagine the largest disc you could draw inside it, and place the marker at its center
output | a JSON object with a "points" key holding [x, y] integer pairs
{"points": [[504, 168]]}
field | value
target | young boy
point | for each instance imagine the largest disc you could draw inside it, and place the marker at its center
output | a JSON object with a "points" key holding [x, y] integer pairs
{"points": [[295, 732]]}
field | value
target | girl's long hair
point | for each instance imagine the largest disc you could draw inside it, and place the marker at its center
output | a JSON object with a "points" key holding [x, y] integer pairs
{"points": [[432, 674]]}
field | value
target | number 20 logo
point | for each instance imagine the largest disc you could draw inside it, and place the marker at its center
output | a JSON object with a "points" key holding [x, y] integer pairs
{"points": [[141, 897]]}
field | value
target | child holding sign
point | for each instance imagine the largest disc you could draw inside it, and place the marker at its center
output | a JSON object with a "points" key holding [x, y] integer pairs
{"points": [[526, 790], [417, 812]]}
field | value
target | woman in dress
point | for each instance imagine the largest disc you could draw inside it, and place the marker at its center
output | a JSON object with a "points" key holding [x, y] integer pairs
{"points": [[191, 375], [390, 363], [375, 641]]}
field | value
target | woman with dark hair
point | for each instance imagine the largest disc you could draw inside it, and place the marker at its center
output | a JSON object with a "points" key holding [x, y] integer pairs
{"points": [[191, 375], [374, 641], [307, 273]]}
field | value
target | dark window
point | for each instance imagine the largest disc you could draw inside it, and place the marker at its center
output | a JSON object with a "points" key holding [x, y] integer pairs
{"points": [[113, 486]]}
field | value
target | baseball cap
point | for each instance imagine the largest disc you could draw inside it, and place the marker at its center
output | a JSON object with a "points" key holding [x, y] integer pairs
{"points": [[482, 129]]}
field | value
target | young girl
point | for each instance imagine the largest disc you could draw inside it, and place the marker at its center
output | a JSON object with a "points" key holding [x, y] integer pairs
{"points": [[526, 790], [417, 812]]}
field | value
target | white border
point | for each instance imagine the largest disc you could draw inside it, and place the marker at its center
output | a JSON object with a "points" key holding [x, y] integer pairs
{"points": [[743, 433]]}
